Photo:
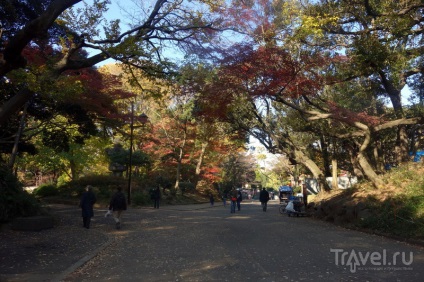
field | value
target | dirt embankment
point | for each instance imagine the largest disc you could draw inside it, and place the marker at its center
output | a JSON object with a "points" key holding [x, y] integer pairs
{"points": [[397, 210]]}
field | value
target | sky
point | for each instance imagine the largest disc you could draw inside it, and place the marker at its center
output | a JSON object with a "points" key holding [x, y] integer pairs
{"points": [[119, 9]]}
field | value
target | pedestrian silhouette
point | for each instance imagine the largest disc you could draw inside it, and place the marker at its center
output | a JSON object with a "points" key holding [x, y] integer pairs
{"points": [[156, 197], [88, 199], [239, 199], [264, 198], [117, 205], [211, 199], [233, 198]]}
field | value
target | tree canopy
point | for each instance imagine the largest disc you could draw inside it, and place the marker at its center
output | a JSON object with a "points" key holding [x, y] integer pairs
{"points": [[320, 82]]}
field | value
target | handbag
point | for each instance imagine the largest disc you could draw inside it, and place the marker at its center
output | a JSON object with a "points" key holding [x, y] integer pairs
{"points": [[109, 212]]}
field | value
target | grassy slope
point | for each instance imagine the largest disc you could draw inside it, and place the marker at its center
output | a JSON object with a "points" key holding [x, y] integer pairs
{"points": [[397, 209]]}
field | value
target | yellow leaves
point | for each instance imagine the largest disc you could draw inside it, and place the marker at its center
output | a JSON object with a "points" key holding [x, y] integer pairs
{"points": [[290, 11], [316, 25], [214, 5]]}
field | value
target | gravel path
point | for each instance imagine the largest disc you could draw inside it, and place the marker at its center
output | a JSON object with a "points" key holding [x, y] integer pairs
{"points": [[203, 243], [199, 243]]}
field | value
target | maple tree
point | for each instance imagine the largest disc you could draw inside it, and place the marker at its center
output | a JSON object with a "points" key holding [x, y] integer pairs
{"points": [[88, 102], [78, 30], [301, 67], [256, 79], [318, 73], [44, 54], [380, 40], [267, 74]]}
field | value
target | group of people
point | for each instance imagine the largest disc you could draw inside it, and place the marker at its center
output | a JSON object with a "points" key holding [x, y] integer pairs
{"points": [[236, 198], [264, 197], [117, 205]]}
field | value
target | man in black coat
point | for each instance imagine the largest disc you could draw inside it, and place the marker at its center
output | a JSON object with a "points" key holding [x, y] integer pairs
{"points": [[117, 205], [88, 199], [156, 197], [264, 198]]}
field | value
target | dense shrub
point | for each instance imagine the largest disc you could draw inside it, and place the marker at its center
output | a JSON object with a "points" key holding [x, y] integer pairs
{"points": [[100, 181], [104, 186], [400, 215], [46, 190], [398, 208], [14, 201], [141, 199], [186, 187]]}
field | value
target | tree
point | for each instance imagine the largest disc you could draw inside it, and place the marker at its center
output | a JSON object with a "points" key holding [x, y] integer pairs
{"points": [[381, 40], [246, 85], [284, 69], [72, 116], [139, 46], [237, 170]]}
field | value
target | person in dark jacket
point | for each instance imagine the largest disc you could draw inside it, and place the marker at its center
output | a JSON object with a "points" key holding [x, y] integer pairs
{"points": [[264, 198], [117, 205], [233, 199], [156, 197], [88, 199], [239, 199]]}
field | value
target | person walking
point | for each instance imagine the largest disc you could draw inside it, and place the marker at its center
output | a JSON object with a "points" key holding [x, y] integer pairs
{"points": [[224, 199], [156, 197], [239, 199], [117, 205], [88, 199], [211, 199], [233, 199], [264, 198]]}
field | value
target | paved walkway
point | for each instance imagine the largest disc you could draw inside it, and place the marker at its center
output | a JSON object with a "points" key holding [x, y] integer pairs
{"points": [[203, 243]]}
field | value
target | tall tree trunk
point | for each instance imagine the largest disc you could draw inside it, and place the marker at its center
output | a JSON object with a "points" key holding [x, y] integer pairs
{"points": [[200, 163], [365, 165], [334, 182], [403, 144], [14, 104], [325, 155], [395, 96], [357, 171], [200, 160], [18, 137], [74, 169], [369, 171], [300, 157], [178, 175], [378, 156]]}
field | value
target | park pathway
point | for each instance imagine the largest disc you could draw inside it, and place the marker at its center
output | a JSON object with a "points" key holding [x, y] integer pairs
{"points": [[200, 243]]}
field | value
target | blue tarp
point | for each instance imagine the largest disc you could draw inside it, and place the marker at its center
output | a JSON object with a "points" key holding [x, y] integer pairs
{"points": [[417, 156], [285, 188]]}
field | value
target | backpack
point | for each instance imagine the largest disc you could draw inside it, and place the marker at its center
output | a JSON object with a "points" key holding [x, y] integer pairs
{"points": [[119, 201]]}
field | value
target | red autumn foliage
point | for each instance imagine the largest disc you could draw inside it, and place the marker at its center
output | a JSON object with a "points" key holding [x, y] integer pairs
{"points": [[100, 89], [344, 115], [270, 72]]}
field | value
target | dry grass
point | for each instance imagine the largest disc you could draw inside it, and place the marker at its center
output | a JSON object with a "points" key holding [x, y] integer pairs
{"points": [[396, 208]]}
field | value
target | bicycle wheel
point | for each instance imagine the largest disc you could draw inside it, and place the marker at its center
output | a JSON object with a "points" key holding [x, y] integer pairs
{"points": [[282, 209]]}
